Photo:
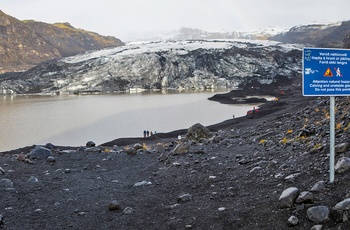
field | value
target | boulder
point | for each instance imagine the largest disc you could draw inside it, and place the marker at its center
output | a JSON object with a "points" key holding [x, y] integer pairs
{"points": [[343, 205], [342, 165], [181, 148], [341, 211], [128, 210], [6, 184], [341, 148], [39, 152], [288, 197], [292, 221], [90, 144], [50, 146], [318, 186], [130, 151], [137, 146], [198, 132], [318, 214], [317, 227], [305, 197], [113, 205], [33, 179]]}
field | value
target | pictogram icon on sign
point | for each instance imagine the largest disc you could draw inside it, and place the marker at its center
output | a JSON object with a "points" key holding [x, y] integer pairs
{"points": [[328, 73], [338, 72]]}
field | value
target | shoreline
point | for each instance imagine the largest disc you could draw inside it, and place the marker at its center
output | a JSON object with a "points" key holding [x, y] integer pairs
{"points": [[267, 109], [233, 97]]}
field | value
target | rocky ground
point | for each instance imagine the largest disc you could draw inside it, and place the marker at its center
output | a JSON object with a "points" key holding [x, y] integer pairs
{"points": [[268, 170]]}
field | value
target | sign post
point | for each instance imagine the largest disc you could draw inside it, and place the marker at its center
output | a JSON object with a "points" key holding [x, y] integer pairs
{"points": [[326, 72], [332, 139]]}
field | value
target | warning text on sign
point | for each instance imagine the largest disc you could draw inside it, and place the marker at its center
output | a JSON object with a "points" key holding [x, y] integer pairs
{"points": [[326, 58]]}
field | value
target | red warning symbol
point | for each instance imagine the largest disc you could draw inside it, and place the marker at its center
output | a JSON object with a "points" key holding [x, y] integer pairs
{"points": [[328, 73]]}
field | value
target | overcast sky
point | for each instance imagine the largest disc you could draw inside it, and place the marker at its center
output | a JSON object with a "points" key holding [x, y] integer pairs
{"points": [[127, 19]]}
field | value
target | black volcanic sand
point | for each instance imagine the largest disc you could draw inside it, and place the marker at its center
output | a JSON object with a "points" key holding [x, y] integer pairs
{"points": [[208, 188]]}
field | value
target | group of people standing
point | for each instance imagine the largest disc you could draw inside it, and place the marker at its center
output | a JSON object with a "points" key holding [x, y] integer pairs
{"points": [[147, 133]]}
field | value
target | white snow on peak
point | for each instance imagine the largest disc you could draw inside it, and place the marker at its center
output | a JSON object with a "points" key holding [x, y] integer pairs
{"points": [[271, 31], [320, 25]]}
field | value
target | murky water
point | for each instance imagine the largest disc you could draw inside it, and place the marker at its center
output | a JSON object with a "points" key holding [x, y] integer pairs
{"points": [[74, 120]]}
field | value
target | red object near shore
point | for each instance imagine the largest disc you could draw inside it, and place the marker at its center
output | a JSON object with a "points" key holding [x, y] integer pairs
{"points": [[254, 110]]}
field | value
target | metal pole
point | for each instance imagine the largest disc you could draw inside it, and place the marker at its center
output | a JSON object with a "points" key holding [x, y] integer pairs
{"points": [[332, 137]]}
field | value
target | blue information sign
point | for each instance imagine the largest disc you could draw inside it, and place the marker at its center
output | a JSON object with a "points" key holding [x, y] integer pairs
{"points": [[326, 72]]}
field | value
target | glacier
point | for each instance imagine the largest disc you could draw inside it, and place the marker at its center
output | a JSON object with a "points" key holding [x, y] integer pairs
{"points": [[178, 65]]}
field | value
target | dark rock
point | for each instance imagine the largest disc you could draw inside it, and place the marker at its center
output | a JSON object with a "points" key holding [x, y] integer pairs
{"points": [[114, 205], [341, 211], [293, 221], [51, 159], [198, 132], [128, 210], [131, 151], [342, 165], [288, 197], [341, 148], [181, 148], [318, 214], [305, 197], [184, 198], [343, 205], [33, 179], [39, 152], [304, 133], [90, 144], [138, 146], [317, 227], [318, 186], [50, 146]]}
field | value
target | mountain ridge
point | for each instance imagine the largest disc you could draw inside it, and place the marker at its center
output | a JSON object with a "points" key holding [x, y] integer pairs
{"points": [[24, 44], [328, 35], [323, 34], [186, 33]]}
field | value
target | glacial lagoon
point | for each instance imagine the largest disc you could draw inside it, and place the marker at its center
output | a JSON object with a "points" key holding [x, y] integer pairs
{"points": [[73, 120]]}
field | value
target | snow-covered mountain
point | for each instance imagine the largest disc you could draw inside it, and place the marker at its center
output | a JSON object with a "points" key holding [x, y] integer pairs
{"points": [[180, 65], [186, 33], [324, 34]]}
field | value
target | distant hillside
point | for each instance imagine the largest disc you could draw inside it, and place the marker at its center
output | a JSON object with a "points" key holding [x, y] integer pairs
{"points": [[23, 44], [321, 35]]}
